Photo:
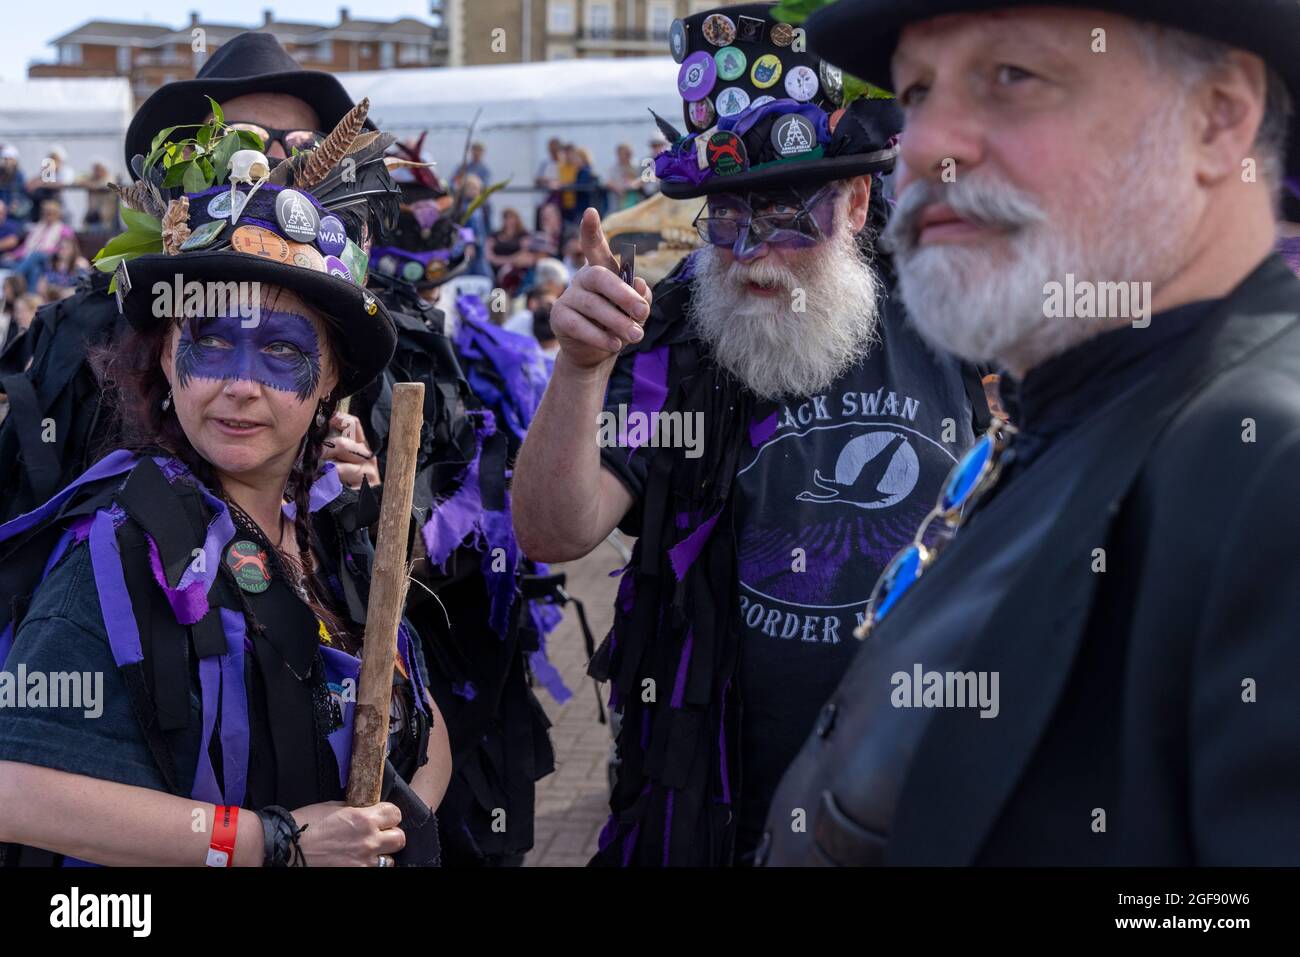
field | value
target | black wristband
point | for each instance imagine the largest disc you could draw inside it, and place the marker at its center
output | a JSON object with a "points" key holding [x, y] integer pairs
{"points": [[280, 834]]}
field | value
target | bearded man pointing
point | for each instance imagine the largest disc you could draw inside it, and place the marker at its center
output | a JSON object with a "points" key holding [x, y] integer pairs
{"points": [[827, 428]]}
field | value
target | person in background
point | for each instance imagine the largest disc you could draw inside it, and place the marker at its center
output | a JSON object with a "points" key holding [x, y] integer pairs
{"points": [[624, 180], [548, 170], [54, 175], [11, 231], [13, 288], [506, 251], [552, 281], [544, 335], [570, 210], [589, 188], [13, 192], [658, 143], [21, 316], [471, 187], [550, 231], [66, 266], [32, 258], [474, 164], [573, 255], [101, 202]]}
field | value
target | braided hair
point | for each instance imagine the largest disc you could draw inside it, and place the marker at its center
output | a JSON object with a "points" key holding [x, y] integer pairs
{"points": [[129, 370]]}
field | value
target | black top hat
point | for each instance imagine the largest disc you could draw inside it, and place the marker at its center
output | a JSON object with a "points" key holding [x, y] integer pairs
{"points": [[428, 246], [301, 225], [861, 35], [247, 63], [763, 112]]}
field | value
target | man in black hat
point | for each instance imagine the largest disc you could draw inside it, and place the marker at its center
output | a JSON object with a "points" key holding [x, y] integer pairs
{"points": [[1101, 667], [53, 430], [774, 432]]}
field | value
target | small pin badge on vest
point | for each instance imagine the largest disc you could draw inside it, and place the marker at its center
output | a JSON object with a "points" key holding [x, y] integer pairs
{"points": [[247, 561]]}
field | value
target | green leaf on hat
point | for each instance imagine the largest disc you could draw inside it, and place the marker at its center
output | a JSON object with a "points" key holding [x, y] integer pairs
{"points": [[218, 117], [195, 180], [176, 174], [138, 222], [250, 140]]}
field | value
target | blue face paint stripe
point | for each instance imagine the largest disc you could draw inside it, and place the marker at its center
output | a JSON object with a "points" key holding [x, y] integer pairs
{"points": [[243, 355]]}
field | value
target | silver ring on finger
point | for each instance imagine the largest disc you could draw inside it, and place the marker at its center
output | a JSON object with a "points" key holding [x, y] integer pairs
{"points": [[386, 861]]}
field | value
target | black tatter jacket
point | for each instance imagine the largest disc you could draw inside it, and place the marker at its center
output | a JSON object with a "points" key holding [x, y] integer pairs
{"points": [[1137, 591]]}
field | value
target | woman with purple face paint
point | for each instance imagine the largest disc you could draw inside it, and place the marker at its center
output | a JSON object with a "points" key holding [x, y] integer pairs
{"points": [[206, 584]]}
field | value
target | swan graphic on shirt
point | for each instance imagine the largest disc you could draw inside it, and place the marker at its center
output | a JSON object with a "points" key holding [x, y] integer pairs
{"points": [[874, 470], [823, 505]]}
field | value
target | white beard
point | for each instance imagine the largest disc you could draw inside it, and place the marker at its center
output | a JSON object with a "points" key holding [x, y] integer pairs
{"points": [[772, 348], [982, 305]]}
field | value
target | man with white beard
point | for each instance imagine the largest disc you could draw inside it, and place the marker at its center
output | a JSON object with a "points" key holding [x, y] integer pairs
{"points": [[827, 426], [1117, 586]]}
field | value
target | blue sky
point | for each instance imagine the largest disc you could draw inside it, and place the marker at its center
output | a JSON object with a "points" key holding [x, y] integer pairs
{"points": [[28, 27]]}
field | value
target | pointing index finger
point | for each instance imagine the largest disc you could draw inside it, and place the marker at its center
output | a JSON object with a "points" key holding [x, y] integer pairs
{"points": [[594, 244]]}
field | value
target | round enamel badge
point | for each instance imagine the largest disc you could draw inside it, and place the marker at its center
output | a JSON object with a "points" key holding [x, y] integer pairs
{"points": [[697, 75], [247, 561], [726, 154], [766, 71]]}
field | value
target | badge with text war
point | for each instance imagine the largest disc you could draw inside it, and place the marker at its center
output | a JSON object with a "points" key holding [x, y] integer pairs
{"points": [[247, 561], [726, 154]]}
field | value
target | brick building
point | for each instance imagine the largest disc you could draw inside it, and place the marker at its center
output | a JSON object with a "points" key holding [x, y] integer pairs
{"points": [[515, 31], [151, 55]]}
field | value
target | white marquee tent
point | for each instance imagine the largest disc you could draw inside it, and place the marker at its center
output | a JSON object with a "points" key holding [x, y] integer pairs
{"points": [[596, 103], [87, 117]]}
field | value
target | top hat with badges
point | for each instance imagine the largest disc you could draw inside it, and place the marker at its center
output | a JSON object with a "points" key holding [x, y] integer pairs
{"points": [[762, 112], [250, 62], [301, 225], [862, 35], [428, 246]]}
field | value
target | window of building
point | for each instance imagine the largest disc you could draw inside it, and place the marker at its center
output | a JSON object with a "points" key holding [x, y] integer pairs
{"points": [[559, 17], [658, 18], [386, 55], [123, 59], [70, 54], [600, 19], [413, 53], [325, 50]]}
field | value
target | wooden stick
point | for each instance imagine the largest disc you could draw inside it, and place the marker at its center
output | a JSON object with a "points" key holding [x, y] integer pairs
{"points": [[387, 598]]}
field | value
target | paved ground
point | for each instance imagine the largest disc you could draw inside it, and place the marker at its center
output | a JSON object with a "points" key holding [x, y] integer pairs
{"points": [[572, 803]]}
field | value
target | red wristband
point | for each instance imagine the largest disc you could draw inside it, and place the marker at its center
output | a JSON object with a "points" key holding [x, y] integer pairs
{"points": [[221, 852]]}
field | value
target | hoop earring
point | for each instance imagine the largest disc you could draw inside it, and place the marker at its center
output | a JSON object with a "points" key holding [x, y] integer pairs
{"points": [[167, 402]]}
